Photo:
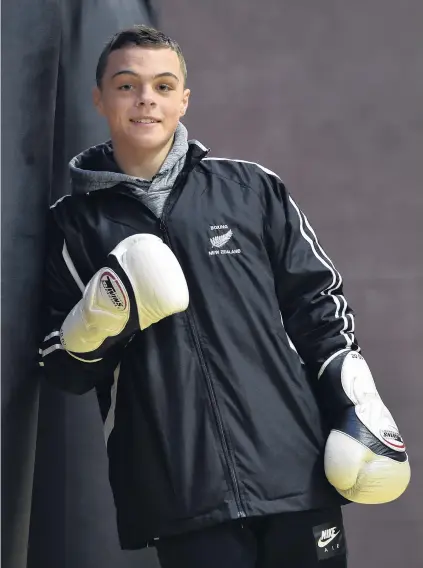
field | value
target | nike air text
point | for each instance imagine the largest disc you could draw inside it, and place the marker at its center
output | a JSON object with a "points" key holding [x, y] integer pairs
{"points": [[327, 536]]}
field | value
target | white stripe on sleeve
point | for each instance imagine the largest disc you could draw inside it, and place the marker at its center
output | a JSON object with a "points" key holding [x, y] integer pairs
{"points": [[338, 299], [71, 267]]}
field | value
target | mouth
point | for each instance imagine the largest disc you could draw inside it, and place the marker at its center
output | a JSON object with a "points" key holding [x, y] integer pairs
{"points": [[145, 120]]}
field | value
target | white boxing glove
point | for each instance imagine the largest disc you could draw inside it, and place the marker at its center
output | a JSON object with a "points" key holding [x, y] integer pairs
{"points": [[365, 457], [141, 284]]}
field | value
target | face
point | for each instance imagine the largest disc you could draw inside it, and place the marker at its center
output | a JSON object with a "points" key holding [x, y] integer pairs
{"points": [[142, 96]]}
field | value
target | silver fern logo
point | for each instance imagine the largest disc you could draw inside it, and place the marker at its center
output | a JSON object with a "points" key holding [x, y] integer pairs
{"points": [[220, 240]]}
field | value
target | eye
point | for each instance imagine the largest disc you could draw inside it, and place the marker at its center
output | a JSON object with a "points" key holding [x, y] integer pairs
{"points": [[126, 87], [164, 87]]}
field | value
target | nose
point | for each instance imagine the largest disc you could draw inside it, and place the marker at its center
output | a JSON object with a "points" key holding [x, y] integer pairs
{"points": [[145, 97]]}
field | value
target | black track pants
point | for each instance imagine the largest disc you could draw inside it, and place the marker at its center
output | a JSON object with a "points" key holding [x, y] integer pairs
{"points": [[308, 539]]}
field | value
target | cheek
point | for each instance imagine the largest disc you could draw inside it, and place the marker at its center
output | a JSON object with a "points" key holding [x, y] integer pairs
{"points": [[117, 108], [172, 111]]}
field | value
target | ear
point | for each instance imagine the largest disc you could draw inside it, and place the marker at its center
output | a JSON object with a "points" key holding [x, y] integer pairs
{"points": [[98, 100], [184, 102]]}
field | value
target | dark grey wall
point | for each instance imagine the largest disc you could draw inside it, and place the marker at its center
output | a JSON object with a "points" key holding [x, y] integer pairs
{"points": [[329, 95]]}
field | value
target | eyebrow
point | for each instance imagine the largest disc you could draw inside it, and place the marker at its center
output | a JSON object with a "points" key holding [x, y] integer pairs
{"points": [[129, 72]]}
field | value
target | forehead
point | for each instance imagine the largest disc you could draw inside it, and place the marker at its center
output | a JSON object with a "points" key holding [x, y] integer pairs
{"points": [[144, 61]]}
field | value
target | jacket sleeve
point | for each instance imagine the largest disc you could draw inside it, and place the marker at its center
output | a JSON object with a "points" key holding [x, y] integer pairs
{"points": [[315, 313], [62, 289]]}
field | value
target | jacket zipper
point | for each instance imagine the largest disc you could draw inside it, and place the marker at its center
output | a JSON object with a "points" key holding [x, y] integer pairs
{"points": [[230, 461]]}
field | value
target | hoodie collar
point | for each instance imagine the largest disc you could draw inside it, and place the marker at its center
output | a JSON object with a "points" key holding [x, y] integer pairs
{"points": [[95, 168]]}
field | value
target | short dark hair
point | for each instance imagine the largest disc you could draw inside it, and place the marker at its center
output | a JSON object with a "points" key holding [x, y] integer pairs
{"points": [[142, 36]]}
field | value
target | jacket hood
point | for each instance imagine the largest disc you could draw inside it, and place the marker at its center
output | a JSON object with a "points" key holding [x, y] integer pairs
{"points": [[95, 168]]}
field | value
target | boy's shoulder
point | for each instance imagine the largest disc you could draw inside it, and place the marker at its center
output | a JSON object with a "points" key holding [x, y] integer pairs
{"points": [[242, 172], [68, 202], [236, 166]]}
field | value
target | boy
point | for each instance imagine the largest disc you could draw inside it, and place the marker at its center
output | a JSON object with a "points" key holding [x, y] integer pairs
{"points": [[177, 285]]}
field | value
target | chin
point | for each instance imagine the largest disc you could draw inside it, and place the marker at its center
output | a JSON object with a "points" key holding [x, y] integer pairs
{"points": [[150, 141], [149, 144]]}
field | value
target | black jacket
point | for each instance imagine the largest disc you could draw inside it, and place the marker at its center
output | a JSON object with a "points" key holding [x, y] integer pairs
{"points": [[209, 414]]}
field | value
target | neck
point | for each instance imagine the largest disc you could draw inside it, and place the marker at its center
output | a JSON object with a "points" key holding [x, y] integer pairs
{"points": [[143, 164]]}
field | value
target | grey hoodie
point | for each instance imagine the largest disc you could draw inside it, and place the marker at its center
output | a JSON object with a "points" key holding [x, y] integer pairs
{"points": [[96, 169]]}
